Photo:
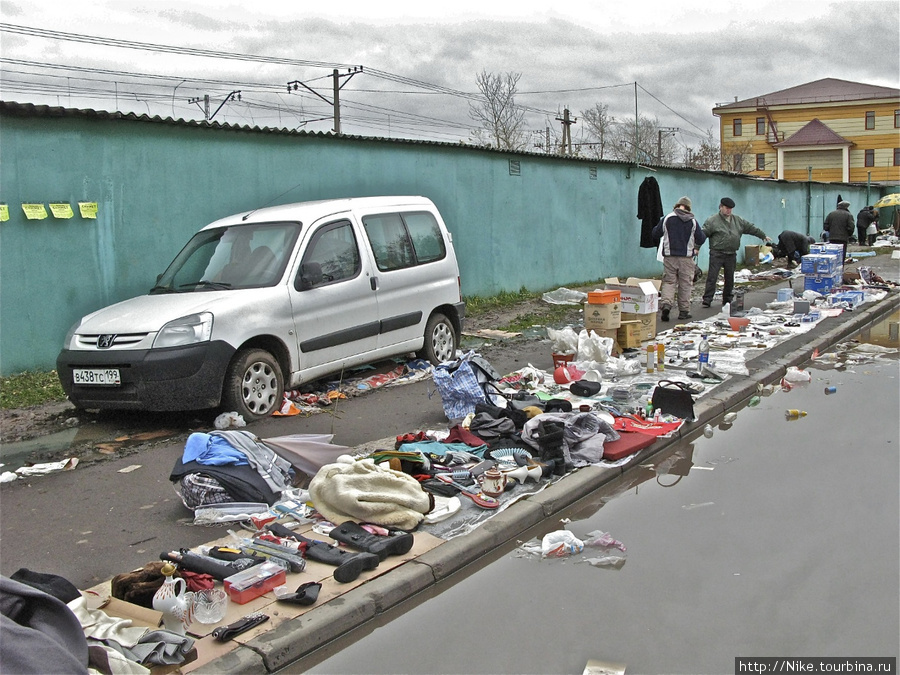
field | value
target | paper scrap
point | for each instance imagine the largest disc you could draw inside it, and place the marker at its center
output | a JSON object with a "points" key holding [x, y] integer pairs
{"points": [[129, 469], [4, 213], [88, 209], [61, 210], [34, 211]]}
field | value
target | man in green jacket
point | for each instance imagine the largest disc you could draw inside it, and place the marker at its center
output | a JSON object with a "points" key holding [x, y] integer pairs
{"points": [[724, 231]]}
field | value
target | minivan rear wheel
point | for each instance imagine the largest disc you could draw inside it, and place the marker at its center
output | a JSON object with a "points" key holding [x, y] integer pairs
{"points": [[440, 340], [254, 385]]}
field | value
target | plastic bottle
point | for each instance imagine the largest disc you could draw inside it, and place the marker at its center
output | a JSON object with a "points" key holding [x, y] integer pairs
{"points": [[729, 417], [794, 414], [660, 356], [708, 431], [830, 390], [754, 401], [651, 358], [702, 354]]}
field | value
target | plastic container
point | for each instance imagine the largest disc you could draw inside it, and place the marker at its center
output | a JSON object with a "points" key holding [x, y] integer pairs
{"points": [[830, 390], [254, 582], [793, 414], [785, 294], [702, 354], [560, 360]]}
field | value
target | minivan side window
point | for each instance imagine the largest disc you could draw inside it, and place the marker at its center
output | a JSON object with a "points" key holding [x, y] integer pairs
{"points": [[425, 234], [404, 240], [334, 249], [390, 241]]}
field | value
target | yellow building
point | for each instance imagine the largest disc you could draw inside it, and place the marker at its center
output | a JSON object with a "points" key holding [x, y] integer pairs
{"points": [[829, 130]]}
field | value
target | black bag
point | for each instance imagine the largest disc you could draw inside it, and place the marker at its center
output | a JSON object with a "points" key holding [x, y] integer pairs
{"points": [[673, 398]]}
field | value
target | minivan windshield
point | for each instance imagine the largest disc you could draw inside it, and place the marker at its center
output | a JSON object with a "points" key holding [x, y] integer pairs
{"points": [[240, 256]]}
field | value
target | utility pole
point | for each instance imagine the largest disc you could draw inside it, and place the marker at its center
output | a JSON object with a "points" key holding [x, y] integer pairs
{"points": [[205, 99], [336, 88], [659, 136], [566, 131], [205, 108]]}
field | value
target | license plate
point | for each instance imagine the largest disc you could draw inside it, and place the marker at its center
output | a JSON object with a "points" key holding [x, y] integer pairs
{"points": [[108, 376]]}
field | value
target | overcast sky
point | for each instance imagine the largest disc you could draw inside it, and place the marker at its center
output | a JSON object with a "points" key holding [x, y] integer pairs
{"points": [[685, 57]]}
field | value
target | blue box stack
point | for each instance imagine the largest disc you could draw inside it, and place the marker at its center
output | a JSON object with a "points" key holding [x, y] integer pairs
{"points": [[823, 268]]}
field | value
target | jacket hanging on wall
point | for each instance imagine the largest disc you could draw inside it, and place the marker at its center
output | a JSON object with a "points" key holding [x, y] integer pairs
{"points": [[650, 209]]}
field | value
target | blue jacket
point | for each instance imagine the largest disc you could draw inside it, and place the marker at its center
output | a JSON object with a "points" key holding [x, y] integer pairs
{"points": [[680, 233]]}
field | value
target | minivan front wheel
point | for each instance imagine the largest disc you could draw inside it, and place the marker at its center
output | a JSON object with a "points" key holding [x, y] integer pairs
{"points": [[254, 385], [440, 340]]}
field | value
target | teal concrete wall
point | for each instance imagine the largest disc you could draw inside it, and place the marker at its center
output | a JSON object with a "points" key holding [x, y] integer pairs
{"points": [[156, 183]]}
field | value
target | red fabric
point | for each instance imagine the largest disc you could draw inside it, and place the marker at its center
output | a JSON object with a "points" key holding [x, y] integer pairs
{"points": [[195, 581], [649, 427], [460, 435]]}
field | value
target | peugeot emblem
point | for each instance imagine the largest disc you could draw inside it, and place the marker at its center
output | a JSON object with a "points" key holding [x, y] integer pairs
{"points": [[105, 341]]}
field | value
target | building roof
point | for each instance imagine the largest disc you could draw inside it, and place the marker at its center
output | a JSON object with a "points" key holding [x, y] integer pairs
{"points": [[813, 133], [827, 90]]}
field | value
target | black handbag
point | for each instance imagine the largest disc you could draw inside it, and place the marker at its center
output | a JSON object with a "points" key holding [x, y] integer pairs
{"points": [[673, 398]]}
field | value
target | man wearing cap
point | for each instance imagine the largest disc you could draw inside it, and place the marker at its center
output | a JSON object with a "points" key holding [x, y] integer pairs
{"points": [[840, 225], [681, 238], [724, 231]]}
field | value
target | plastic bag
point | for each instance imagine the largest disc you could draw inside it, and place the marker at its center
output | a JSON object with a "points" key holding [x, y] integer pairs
{"points": [[559, 544], [563, 341], [229, 420], [593, 348], [796, 376], [564, 296]]}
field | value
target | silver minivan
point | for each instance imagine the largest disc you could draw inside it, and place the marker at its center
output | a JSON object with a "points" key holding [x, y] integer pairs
{"points": [[266, 300]]}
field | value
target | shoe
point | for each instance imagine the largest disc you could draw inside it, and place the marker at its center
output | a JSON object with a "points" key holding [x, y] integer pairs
{"points": [[706, 304], [352, 534], [665, 314], [684, 315]]}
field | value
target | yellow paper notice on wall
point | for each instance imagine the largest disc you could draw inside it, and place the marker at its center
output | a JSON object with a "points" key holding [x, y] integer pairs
{"points": [[88, 209], [60, 210], [4, 213], [34, 211]]}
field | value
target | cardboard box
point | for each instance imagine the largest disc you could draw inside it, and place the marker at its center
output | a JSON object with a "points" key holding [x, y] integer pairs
{"points": [[751, 255], [603, 297], [827, 249], [822, 283], [602, 317], [639, 296], [628, 335], [647, 324]]}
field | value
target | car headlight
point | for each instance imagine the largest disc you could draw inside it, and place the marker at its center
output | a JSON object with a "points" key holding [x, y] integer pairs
{"points": [[67, 343], [187, 330]]}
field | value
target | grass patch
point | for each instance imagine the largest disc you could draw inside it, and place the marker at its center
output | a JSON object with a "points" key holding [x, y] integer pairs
{"points": [[476, 305], [30, 388]]}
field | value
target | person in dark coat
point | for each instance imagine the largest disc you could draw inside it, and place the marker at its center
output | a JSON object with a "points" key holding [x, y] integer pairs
{"points": [[840, 225], [793, 246], [864, 218]]}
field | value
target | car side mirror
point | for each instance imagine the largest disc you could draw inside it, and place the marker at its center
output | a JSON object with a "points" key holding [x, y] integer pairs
{"points": [[310, 275]]}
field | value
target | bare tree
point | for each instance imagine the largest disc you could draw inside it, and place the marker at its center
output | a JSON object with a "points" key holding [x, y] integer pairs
{"points": [[648, 143], [707, 156], [737, 153], [598, 125], [498, 116]]}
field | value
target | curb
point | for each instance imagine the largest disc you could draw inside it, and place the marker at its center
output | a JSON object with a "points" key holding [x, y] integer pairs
{"points": [[299, 637]]}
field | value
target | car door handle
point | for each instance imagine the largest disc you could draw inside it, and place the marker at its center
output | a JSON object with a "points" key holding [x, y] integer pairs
{"points": [[373, 282]]}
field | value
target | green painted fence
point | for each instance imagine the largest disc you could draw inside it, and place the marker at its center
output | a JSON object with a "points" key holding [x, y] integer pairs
{"points": [[518, 220]]}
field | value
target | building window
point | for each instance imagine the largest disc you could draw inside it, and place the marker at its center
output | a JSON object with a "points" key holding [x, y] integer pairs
{"points": [[897, 119], [760, 126], [736, 126], [870, 157], [870, 119], [761, 162], [896, 156]]}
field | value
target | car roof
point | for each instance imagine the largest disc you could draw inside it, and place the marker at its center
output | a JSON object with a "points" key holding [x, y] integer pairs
{"points": [[312, 211]]}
